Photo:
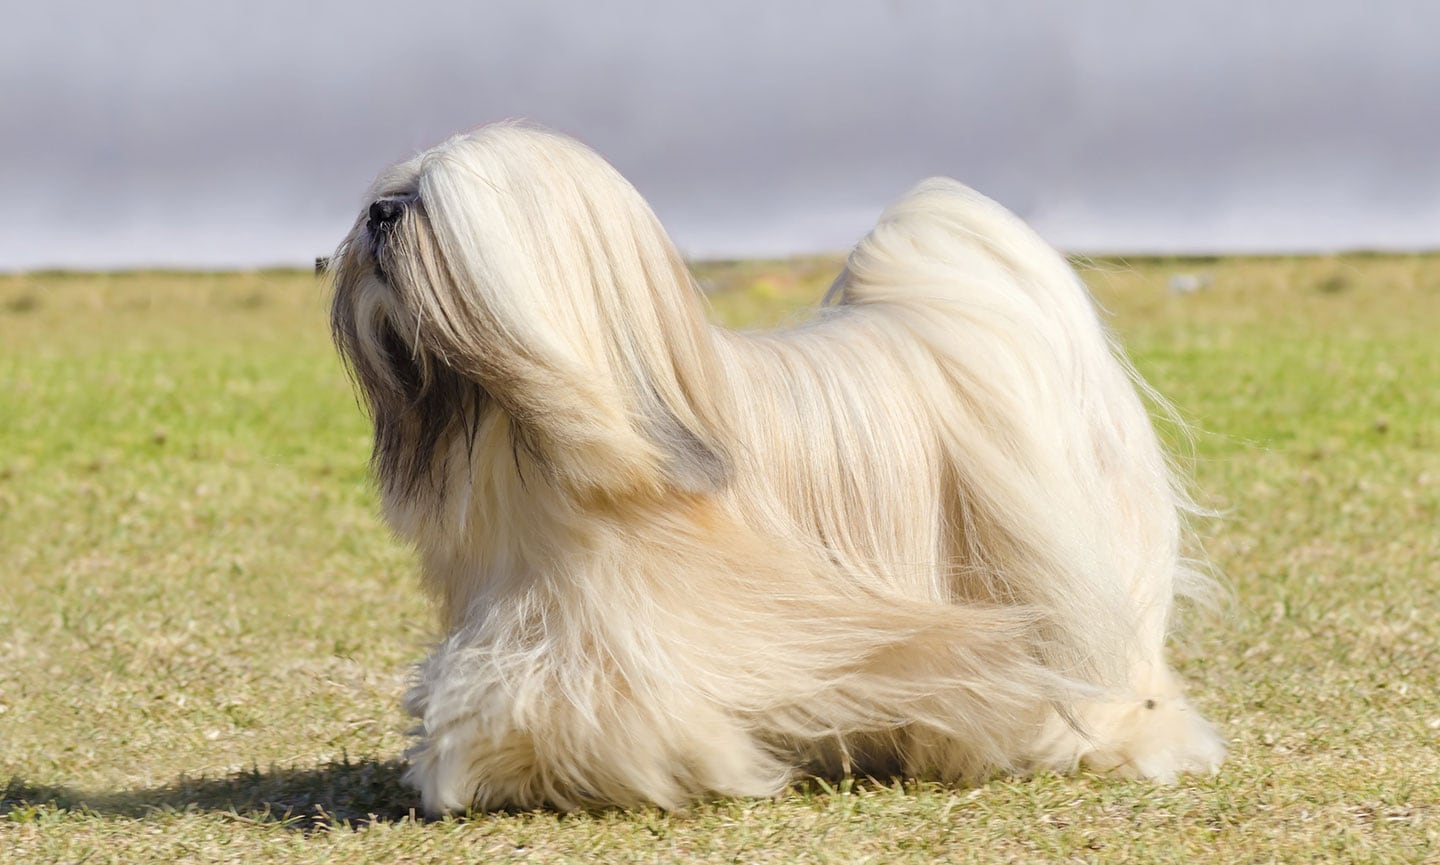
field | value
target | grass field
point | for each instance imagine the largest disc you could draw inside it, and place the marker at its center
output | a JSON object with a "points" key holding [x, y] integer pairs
{"points": [[204, 629]]}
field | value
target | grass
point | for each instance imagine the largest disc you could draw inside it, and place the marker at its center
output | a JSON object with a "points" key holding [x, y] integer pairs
{"points": [[205, 630]]}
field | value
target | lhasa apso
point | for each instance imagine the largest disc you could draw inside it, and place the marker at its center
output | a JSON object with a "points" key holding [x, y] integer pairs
{"points": [[930, 531]]}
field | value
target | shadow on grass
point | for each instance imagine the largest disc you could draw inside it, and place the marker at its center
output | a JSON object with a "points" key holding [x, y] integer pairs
{"points": [[354, 792]]}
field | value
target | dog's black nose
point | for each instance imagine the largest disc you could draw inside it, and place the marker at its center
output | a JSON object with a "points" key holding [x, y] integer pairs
{"points": [[384, 212]]}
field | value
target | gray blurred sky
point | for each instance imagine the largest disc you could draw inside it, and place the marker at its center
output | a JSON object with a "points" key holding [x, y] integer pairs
{"points": [[240, 134]]}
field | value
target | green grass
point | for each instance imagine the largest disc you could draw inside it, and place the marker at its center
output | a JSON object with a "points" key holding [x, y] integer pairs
{"points": [[204, 629]]}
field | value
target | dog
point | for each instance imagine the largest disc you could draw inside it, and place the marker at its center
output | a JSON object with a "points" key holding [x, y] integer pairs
{"points": [[928, 532]]}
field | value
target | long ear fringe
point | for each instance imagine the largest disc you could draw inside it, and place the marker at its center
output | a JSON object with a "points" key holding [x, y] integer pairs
{"points": [[592, 335]]}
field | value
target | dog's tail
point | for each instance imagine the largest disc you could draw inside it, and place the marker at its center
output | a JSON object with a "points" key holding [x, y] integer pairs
{"points": [[1067, 501]]}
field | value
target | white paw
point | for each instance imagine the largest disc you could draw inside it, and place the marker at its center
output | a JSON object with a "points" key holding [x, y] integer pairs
{"points": [[1158, 740]]}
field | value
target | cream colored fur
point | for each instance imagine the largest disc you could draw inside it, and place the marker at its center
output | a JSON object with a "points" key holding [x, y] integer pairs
{"points": [[931, 531]]}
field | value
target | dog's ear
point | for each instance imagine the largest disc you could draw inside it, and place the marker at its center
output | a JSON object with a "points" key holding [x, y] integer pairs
{"points": [[674, 370], [694, 458], [664, 350], [537, 270], [697, 467]]}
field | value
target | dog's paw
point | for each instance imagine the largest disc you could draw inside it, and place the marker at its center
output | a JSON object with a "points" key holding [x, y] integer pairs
{"points": [[1158, 740]]}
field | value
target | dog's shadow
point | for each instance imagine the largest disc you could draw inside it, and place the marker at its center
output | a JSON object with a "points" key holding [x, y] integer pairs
{"points": [[346, 793], [353, 792]]}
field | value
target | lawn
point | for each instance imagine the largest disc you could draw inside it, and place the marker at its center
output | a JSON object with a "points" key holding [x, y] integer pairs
{"points": [[205, 629]]}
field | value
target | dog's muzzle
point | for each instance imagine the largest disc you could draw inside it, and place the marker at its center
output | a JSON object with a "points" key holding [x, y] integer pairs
{"points": [[385, 213]]}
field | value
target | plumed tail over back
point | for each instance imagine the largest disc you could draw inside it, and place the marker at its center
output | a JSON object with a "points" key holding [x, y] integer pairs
{"points": [[1066, 501]]}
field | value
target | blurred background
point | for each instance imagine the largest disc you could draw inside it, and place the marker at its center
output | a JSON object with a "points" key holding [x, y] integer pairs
{"points": [[238, 135]]}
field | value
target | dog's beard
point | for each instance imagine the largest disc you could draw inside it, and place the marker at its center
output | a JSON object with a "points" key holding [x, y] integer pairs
{"points": [[417, 402]]}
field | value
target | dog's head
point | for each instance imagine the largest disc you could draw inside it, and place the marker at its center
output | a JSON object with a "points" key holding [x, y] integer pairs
{"points": [[513, 270]]}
